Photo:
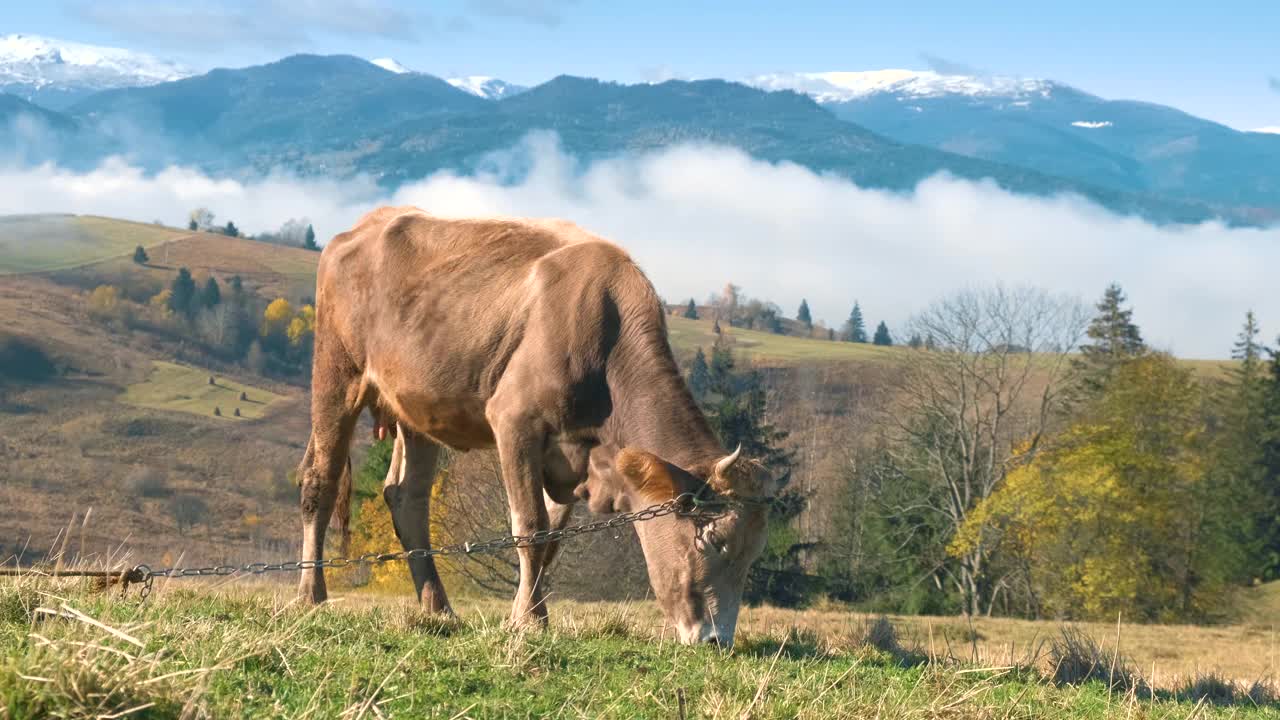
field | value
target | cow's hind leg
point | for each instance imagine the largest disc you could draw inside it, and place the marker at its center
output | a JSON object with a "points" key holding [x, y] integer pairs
{"points": [[335, 407], [557, 519], [407, 493]]}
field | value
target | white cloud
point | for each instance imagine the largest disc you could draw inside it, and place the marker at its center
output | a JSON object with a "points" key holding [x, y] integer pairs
{"points": [[1092, 125], [698, 217], [1271, 129]]}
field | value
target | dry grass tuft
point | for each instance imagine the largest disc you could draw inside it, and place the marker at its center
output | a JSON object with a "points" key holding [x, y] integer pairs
{"points": [[1076, 658], [92, 670], [417, 620], [880, 634], [18, 601], [1213, 688], [613, 623]]}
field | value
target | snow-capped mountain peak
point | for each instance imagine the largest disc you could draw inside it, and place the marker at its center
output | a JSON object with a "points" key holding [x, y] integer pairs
{"points": [[490, 88], [391, 64], [827, 87], [39, 61]]}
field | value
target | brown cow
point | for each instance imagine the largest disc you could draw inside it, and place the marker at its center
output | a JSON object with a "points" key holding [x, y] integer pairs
{"points": [[550, 344]]}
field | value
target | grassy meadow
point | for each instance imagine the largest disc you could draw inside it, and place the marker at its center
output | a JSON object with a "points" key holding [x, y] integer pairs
{"points": [[197, 650], [39, 243], [126, 402], [171, 386]]}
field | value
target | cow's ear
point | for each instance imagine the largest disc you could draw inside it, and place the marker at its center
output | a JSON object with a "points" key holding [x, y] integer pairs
{"points": [[655, 480]]}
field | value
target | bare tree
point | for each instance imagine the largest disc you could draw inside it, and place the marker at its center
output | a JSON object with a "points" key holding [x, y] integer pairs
{"points": [[473, 504], [201, 218], [187, 511], [217, 325], [726, 303], [979, 403]]}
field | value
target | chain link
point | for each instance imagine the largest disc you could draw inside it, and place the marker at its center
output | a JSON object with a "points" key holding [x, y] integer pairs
{"points": [[144, 575]]}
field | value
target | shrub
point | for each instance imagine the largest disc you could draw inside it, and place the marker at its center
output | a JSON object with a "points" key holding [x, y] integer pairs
{"points": [[140, 255], [188, 511], [105, 304], [147, 483], [22, 359]]}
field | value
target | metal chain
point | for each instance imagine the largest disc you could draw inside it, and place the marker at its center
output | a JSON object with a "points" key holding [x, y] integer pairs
{"points": [[144, 575]]}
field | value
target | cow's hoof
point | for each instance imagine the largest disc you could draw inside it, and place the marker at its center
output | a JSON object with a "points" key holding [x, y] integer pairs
{"points": [[526, 622], [312, 592]]}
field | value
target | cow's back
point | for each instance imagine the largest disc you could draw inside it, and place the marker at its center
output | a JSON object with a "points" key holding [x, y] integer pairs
{"points": [[430, 309]]}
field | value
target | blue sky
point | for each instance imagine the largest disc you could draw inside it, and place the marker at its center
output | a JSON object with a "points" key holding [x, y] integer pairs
{"points": [[1217, 60]]}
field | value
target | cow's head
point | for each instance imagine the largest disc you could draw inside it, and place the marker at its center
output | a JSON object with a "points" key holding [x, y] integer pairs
{"points": [[698, 565]]}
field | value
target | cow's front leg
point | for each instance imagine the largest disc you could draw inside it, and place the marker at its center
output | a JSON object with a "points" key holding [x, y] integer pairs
{"points": [[520, 448]]}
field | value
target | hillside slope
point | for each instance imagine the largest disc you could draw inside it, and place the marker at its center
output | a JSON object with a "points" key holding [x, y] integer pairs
{"points": [[111, 406]]}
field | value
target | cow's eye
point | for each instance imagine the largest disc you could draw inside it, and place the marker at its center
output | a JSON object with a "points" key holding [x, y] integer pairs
{"points": [[715, 540]]}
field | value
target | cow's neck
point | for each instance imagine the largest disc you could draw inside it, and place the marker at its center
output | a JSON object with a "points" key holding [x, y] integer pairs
{"points": [[654, 411]]}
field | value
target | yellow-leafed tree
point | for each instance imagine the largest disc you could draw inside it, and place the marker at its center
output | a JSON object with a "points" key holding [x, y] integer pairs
{"points": [[1119, 514], [106, 304], [302, 326], [276, 318], [159, 304]]}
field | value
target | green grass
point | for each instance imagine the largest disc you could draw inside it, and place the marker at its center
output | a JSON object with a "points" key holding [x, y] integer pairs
{"points": [[39, 243], [212, 653], [171, 386]]}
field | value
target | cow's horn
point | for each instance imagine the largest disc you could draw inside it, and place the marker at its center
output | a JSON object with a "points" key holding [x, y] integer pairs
{"points": [[727, 462]]}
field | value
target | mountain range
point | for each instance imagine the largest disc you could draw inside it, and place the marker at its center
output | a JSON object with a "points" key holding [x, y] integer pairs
{"points": [[1055, 128], [340, 115]]}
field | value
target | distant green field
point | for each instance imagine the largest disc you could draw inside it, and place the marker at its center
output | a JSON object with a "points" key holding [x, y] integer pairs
{"points": [[687, 335], [38, 243], [186, 389], [1261, 604]]}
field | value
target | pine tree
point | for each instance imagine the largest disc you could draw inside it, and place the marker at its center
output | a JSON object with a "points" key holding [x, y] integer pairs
{"points": [[1269, 476], [1239, 441], [193, 225], [309, 241], [699, 376], [736, 409], [691, 311], [915, 343], [182, 298], [211, 295], [140, 255], [882, 335], [1115, 338], [231, 230], [855, 329], [1247, 348], [803, 315]]}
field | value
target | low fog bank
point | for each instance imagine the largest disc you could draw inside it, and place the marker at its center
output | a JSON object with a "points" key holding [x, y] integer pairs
{"points": [[697, 217]]}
